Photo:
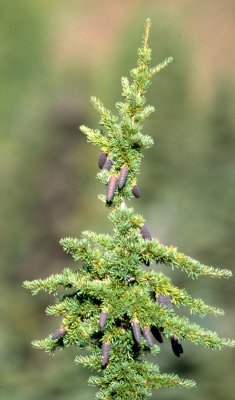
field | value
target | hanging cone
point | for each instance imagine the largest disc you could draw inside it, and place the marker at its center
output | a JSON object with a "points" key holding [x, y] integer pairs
{"points": [[176, 346], [111, 188], [105, 353], [136, 191], [59, 333], [102, 320], [102, 159], [136, 331], [123, 175], [156, 333], [148, 336], [145, 232], [108, 164], [146, 262]]}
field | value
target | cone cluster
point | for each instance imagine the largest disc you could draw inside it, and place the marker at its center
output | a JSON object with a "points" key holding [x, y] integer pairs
{"points": [[154, 332], [149, 334], [115, 181]]}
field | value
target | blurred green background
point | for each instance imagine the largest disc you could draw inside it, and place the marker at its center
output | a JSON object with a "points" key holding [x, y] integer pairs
{"points": [[53, 57]]}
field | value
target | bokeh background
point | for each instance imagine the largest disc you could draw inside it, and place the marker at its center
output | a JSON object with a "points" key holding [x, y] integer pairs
{"points": [[53, 56]]}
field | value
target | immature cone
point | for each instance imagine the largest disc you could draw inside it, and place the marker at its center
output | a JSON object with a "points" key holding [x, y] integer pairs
{"points": [[59, 333], [122, 177], [145, 232], [176, 346], [102, 159], [111, 188], [136, 330], [102, 320], [108, 164], [105, 353], [136, 191], [156, 333], [148, 336], [164, 300]]}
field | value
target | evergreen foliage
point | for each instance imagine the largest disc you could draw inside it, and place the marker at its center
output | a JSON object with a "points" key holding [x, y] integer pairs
{"points": [[110, 305]]}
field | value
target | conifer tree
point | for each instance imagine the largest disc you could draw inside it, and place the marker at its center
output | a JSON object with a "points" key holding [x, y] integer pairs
{"points": [[111, 305]]}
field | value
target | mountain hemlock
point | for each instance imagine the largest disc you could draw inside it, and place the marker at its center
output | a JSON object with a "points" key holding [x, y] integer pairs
{"points": [[111, 306]]}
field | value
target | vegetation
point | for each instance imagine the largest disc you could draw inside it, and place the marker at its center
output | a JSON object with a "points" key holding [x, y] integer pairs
{"points": [[110, 304]]}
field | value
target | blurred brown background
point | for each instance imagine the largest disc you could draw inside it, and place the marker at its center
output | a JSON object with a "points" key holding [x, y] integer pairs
{"points": [[53, 57]]}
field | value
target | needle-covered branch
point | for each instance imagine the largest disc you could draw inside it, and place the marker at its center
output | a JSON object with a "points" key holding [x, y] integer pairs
{"points": [[110, 305], [175, 259], [163, 286]]}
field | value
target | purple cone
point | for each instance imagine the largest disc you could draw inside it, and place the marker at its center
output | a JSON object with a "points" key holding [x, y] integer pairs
{"points": [[102, 320], [145, 232], [108, 164], [164, 300], [111, 188], [122, 177], [148, 336], [156, 333], [176, 346], [136, 191], [59, 333], [102, 159], [105, 353], [136, 331]]}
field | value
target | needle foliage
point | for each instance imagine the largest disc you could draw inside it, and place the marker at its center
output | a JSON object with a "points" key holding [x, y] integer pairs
{"points": [[110, 305]]}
